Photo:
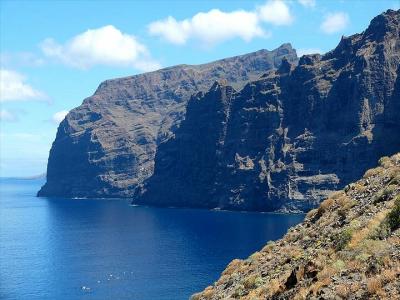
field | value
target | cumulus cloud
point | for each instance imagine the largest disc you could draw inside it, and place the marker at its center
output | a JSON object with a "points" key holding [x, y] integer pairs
{"points": [[102, 46], [8, 116], [13, 87], [275, 12], [304, 51], [335, 22], [307, 3], [59, 116], [210, 27], [216, 26]]}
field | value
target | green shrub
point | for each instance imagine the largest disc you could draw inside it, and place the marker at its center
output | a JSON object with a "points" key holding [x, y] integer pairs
{"points": [[380, 233], [385, 194], [339, 265], [393, 217], [343, 238], [239, 291], [390, 223], [252, 282], [395, 180]]}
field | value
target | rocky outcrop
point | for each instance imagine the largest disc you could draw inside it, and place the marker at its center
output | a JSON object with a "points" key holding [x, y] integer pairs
{"points": [[348, 248], [288, 139], [106, 146]]}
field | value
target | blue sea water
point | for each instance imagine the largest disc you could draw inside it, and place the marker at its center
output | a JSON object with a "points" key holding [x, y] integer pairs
{"points": [[52, 248]]}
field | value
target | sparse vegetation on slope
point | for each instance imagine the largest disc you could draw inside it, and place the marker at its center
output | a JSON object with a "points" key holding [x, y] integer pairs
{"points": [[348, 248]]}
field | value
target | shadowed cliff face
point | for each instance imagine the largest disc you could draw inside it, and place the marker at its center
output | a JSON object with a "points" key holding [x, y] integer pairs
{"points": [[287, 140], [106, 146]]}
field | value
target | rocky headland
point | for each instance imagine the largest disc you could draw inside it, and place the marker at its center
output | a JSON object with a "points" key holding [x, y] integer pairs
{"points": [[106, 146], [347, 248]]}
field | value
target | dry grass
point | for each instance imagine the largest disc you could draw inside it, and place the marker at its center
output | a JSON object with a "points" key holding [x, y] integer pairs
{"points": [[389, 275], [293, 251], [311, 214], [275, 287], [255, 294], [387, 260], [355, 286], [374, 284], [301, 294], [343, 290], [326, 272], [394, 240], [343, 200], [336, 195], [325, 205], [232, 267], [208, 293], [314, 288], [254, 257], [385, 162], [267, 248], [355, 265], [223, 279], [196, 296], [300, 273], [358, 187], [370, 227], [373, 172], [251, 282]]}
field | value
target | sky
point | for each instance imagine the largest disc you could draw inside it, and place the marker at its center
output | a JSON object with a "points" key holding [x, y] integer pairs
{"points": [[53, 54]]}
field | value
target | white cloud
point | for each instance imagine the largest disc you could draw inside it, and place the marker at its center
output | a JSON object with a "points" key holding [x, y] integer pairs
{"points": [[307, 3], [275, 12], [175, 32], [59, 116], [216, 26], [210, 27], [102, 46], [335, 22], [304, 51], [8, 116], [13, 87]]}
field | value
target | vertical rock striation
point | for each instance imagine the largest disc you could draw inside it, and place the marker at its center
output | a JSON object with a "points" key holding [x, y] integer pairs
{"points": [[106, 146], [288, 139]]}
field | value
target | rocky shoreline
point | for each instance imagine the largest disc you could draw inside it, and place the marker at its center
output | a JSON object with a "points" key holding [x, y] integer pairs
{"points": [[347, 248]]}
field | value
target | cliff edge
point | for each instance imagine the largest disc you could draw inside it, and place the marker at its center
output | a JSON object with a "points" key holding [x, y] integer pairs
{"points": [[288, 139], [106, 146]]}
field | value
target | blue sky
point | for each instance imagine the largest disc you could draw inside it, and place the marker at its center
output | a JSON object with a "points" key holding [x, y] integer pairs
{"points": [[56, 53]]}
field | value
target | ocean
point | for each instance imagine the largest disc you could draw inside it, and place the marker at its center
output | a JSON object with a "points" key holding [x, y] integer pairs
{"points": [[55, 248]]}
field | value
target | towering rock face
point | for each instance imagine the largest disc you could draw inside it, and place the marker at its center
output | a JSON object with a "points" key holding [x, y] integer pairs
{"points": [[288, 139], [106, 146]]}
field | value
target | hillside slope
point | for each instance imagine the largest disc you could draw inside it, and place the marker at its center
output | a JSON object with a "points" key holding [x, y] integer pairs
{"points": [[348, 248], [288, 139], [106, 146]]}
